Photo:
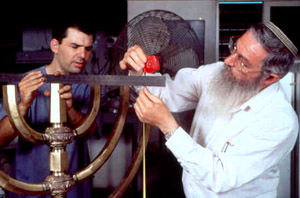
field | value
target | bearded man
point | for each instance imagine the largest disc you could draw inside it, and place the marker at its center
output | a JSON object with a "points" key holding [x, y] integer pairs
{"points": [[243, 124]]}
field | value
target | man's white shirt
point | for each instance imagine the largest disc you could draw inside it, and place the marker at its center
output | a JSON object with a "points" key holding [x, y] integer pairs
{"points": [[236, 155]]}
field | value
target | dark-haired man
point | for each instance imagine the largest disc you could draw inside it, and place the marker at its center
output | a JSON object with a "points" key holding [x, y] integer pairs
{"points": [[72, 46]]}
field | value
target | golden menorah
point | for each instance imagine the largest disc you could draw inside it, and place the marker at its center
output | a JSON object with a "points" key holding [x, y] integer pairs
{"points": [[58, 135]]}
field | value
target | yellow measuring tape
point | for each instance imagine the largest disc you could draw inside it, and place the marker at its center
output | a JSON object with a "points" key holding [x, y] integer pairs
{"points": [[144, 161]]}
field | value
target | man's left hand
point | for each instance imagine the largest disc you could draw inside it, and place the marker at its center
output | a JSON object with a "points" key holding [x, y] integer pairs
{"points": [[150, 109]]}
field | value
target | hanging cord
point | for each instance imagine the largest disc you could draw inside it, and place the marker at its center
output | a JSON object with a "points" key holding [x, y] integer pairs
{"points": [[144, 161]]}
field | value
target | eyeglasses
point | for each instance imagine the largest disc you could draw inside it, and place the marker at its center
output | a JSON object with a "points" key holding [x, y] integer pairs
{"points": [[240, 61]]}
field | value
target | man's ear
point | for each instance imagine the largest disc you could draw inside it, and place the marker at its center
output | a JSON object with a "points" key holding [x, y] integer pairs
{"points": [[270, 79], [54, 44]]}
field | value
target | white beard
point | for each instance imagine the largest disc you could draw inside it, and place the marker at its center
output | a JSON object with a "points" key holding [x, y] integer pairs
{"points": [[228, 94]]}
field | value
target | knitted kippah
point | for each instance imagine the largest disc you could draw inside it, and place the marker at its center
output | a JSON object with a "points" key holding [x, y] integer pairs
{"points": [[282, 37]]}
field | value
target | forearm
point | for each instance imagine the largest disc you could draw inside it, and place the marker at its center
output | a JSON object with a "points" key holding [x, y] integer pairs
{"points": [[7, 132], [76, 118]]}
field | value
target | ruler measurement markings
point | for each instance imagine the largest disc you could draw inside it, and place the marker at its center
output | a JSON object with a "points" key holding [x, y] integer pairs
{"points": [[112, 80]]}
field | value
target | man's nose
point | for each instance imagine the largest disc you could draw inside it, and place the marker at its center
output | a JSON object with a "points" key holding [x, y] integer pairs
{"points": [[230, 60], [82, 52]]}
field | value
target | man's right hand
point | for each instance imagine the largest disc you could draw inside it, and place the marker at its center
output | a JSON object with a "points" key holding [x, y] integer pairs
{"points": [[28, 87], [134, 60]]}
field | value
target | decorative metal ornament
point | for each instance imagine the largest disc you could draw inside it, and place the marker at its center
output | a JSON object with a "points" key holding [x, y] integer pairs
{"points": [[58, 136]]}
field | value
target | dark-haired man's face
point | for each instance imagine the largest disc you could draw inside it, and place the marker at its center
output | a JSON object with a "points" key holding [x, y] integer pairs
{"points": [[74, 51]]}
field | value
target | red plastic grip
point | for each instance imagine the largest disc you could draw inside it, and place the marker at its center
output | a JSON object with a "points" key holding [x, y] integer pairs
{"points": [[152, 64]]}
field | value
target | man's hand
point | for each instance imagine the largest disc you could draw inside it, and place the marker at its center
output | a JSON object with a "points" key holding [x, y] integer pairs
{"points": [[150, 109], [65, 93], [74, 117], [28, 87], [134, 60]]}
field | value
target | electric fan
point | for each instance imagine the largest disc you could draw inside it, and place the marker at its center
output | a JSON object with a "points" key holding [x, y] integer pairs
{"points": [[163, 34], [170, 39]]}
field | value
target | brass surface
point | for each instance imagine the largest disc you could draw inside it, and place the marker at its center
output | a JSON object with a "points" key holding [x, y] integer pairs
{"points": [[18, 187], [59, 184], [11, 107], [57, 105], [58, 160], [58, 136]]}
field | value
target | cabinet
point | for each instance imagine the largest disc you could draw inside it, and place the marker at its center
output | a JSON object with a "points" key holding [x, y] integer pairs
{"points": [[234, 19]]}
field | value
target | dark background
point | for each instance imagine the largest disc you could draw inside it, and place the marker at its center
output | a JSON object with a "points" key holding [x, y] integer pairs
{"points": [[284, 17], [108, 16]]}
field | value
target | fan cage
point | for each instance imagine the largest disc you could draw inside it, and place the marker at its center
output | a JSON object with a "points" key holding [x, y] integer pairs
{"points": [[162, 33]]}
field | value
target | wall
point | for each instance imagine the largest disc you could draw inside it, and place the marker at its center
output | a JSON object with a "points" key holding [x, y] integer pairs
{"points": [[188, 10]]}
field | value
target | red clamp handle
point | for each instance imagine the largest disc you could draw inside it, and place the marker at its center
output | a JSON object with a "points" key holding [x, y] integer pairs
{"points": [[152, 64]]}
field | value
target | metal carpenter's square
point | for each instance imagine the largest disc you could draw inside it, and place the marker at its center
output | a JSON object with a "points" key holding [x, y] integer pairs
{"points": [[110, 80]]}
